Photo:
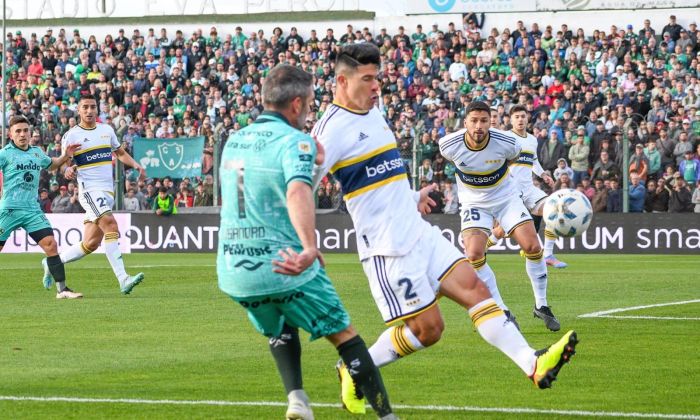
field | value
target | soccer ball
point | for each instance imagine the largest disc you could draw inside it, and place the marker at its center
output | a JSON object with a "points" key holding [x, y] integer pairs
{"points": [[567, 213]]}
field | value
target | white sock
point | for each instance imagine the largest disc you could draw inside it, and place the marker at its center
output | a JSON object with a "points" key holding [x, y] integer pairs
{"points": [[549, 240], [537, 271], [394, 343], [114, 255], [74, 253], [496, 330], [489, 278]]}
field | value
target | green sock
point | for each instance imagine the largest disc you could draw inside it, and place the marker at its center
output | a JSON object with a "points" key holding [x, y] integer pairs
{"points": [[365, 374], [286, 349]]}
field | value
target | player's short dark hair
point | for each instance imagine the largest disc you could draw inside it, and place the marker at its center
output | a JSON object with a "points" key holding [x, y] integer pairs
{"points": [[517, 108], [283, 84], [87, 97], [18, 119], [162, 190], [477, 106], [353, 56]]}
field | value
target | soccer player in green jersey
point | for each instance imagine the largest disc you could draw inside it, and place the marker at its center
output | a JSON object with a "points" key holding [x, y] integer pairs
{"points": [[268, 210], [21, 165]]}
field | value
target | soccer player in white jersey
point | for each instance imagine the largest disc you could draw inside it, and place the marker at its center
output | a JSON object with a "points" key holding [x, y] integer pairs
{"points": [[93, 165], [522, 171], [407, 261], [482, 157]]}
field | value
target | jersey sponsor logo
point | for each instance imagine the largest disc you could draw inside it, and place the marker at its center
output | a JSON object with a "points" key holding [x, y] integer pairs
{"points": [[483, 180], [525, 158], [29, 167], [383, 167], [28, 177], [251, 251], [248, 265], [93, 156], [254, 232], [370, 172], [278, 300]]}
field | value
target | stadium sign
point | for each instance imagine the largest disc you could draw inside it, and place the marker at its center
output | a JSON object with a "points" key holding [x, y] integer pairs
{"points": [[68, 231], [419, 7], [632, 234]]}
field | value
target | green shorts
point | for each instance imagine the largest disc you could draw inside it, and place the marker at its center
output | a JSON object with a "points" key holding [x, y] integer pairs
{"points": [[314, 307], [29, 220]]}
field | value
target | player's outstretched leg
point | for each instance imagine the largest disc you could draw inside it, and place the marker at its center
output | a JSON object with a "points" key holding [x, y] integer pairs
{"points": [[108, 225], [463, 287], [357, 363], [483, 270], [286, 350], [550, 239]]}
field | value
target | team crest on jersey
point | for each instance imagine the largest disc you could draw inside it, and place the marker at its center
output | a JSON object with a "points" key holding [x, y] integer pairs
{"points": [[304, 147], [171, 154]]}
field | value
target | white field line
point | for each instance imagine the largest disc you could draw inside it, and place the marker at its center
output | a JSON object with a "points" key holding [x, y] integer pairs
{"points": [[672, 318], [605, 314], [507, 410]]}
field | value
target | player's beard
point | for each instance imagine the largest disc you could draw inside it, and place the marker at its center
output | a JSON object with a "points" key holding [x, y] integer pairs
{"points": [[478, 139]]}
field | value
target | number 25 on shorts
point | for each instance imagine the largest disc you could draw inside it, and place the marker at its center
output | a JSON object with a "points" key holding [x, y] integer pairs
{"points": [[471, 215]]}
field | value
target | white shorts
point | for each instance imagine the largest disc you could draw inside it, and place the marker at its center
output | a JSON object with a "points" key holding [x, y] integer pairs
{"points": [[531, 196], [96, 204], [509, 214], [407, 285]]}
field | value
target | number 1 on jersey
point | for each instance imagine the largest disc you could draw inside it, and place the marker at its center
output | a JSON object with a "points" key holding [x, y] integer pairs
{"points": [[240, 173]]}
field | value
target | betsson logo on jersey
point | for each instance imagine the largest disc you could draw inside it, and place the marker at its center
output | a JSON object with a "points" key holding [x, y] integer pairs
{"points": [[385, 166], [99, 156]]}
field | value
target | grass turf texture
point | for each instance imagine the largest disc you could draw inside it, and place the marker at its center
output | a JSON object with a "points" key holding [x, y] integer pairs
{"points": [[178, 338]]}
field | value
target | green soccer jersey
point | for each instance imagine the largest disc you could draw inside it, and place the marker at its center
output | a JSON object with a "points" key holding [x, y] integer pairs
{"points": [[257, 165], [21, 169]]}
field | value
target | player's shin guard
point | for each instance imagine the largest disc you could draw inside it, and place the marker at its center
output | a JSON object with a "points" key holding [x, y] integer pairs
{"points": [[537, 271], [365, 374], [494, 327], [286, 350], [114, 255], [394, 343], [489, 278], [549, 240], [58, 271], [74, 253]]}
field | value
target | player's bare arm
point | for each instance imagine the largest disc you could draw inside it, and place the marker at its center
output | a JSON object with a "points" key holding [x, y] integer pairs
{"points": [[127, 160], [57, 163]]}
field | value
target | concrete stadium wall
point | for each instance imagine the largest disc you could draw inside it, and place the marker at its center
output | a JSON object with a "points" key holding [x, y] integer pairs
{"points": [[589, 20]]}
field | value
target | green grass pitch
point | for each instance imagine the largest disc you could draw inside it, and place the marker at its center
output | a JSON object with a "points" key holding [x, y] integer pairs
{"points": [[178, 338]]}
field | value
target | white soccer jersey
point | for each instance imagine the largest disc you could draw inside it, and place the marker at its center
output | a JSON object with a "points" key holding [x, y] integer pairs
{"points": [[361, 152], [482, 174], [94, 159], [527, 164]]}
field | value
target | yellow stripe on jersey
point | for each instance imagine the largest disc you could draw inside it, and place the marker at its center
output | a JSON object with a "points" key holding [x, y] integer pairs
{"points": [[91, 165], [89, 149], [399, 177], [354, 111], [352, 161]]}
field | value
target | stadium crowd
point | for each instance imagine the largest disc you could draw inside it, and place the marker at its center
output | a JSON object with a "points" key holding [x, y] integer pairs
{"points": [[585, 89]]}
